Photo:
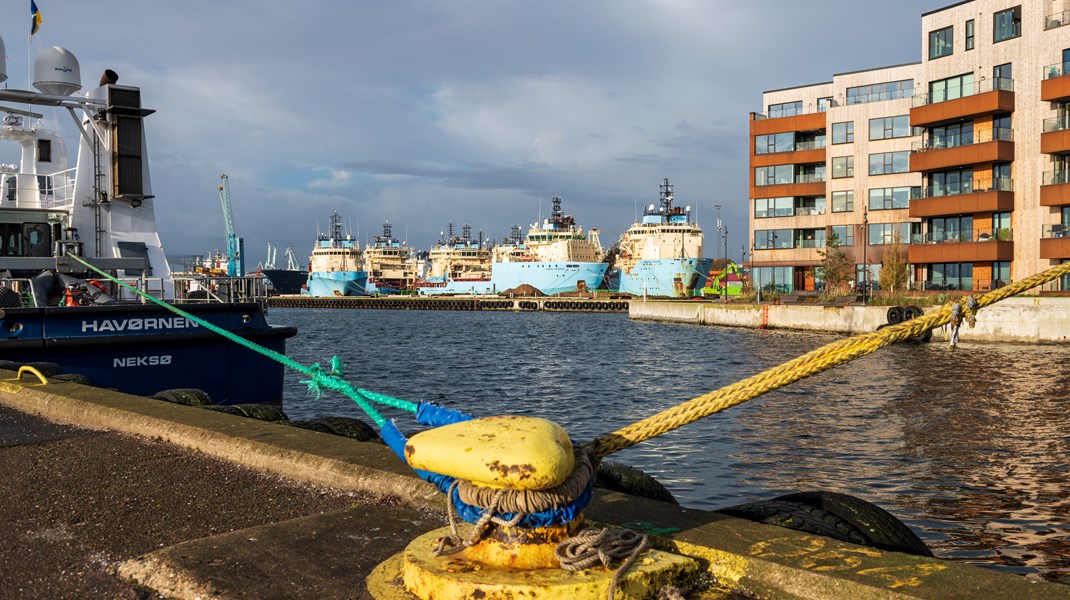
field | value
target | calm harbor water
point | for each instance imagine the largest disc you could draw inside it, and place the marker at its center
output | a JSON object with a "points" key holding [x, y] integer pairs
{"points": [[970, 446]]}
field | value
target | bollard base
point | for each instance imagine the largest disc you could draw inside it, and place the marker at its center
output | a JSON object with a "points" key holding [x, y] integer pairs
{"points": [[418, 573]]}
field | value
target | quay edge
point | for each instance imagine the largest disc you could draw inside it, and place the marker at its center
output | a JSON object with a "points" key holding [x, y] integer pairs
{"points": [[745, 557], [1033, 320]]}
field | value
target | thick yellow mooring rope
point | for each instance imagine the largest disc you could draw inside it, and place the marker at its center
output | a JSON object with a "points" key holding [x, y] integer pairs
{"points": [[823, 358]]}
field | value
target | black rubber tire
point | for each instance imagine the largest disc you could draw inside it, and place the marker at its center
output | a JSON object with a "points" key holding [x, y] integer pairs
{"points": [[186, 396], [48, 369], [619, 477], [263, 412], [314, 426], [9, 298], [880, 528], [71, 378], [912, 312], [798, 516], [226, 409], [924, 338], [350, 428], [895, 315]]}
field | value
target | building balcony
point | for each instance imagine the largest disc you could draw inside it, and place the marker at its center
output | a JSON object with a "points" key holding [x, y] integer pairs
{"points": [[1056, 136], [762, 125], [1058, 19], [1055, 86], [1055, 188], [977, 246], [800, 156], [983, 98], [985, 146], [975, 196], [1055, 241], [803, 186]]}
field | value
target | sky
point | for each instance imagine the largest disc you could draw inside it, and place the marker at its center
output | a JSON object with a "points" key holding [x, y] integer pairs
{"points": [[427, 112]]}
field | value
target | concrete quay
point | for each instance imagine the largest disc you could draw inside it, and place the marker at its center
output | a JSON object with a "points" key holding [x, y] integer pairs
{"points": [[110, 495], [1033, 320]]}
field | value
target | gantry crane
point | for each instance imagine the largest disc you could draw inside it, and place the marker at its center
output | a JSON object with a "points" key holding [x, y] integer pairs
{"points": [[235, 260]]}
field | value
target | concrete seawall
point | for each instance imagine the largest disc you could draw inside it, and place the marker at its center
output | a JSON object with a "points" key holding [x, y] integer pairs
{"points": [[1021, 320]]}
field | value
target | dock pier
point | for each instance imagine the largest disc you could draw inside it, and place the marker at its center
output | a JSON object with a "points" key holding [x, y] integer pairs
{"points": [[454, 303]]}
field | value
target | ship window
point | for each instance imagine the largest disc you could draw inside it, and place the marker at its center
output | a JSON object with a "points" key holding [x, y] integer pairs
{"points": [[44, 150], [36, 240], [10, 239]]}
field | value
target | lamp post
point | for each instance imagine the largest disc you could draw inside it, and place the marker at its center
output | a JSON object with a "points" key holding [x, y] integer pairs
{"points": [[773, 285], [865, 261], [718, 207], [758, 288]]}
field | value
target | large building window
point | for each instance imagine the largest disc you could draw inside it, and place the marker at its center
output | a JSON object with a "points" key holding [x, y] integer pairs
{"points": [[880, 91], [810, 205], [810, 238], [951, 88], [778, 142], [843, 133], [951, 183], [774, 207], [785, 109], [769, 239], [969, 34], [843, 201], [774, 175], [950, 276], [951, 229], [884, 128], [1007, 24], [951, 136], [845, 234], [887, 163], [940, 42], [881, 234], [890, 198], [843, 166]]}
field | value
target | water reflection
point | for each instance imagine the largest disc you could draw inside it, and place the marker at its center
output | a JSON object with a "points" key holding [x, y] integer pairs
{"points": [[967, 446]]}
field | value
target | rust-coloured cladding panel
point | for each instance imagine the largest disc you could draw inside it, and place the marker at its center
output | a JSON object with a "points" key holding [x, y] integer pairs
{"points": [[1055, 89], [1055, 247], [950, 111], [962, 204], [798, 157], [1055, 142], [950, 252], [1055, 195], [787, 189], [808, 122], [962, 156]]}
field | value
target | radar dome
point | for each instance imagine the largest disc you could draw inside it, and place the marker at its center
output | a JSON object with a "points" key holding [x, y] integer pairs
{"points": [[55, 71], [3, 63]]}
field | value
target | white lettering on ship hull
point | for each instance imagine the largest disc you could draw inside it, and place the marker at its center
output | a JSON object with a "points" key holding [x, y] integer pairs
{"points": [[147, 324], [142, 361]]}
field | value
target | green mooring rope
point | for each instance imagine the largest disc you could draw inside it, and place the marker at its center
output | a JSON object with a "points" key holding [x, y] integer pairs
{"points": [[319, 378]]}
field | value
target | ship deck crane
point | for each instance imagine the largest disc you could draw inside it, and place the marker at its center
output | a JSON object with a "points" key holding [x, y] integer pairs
{"points": [[235, 258]]}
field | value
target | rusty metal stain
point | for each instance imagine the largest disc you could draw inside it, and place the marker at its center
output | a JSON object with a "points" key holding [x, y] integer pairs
{"points": [[791, 549], [521, 471]]}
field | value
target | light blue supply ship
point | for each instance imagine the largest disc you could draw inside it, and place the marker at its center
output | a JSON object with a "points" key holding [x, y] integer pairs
{"points": [[335, 267], [662, 254]]}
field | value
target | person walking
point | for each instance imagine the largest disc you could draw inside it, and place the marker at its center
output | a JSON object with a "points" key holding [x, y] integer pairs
{"points": [[956, 321]]}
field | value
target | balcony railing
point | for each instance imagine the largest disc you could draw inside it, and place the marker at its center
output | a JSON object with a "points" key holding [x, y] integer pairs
{"points": [[794, 111], [972, 186], [1057, 123], [1056, 20], [1000, 234], [812, 145], [1001, 134], [1057, 70], [809, 178], [1002, 84], [1055, 177], [808, 211], [1055, 231]]}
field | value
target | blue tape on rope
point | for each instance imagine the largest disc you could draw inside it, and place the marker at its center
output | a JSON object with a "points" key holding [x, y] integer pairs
{"points": [[396, 440], [437, 416]]}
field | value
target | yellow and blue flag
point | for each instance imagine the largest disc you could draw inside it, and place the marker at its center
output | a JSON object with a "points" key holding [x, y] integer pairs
{"points": [[35, 18]]}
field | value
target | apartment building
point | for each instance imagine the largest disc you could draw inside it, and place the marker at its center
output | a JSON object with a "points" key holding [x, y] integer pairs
{"points": [[961, 156]]}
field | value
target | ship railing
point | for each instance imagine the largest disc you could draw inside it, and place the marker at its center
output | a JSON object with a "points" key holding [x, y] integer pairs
{"points": [[213, 290], [54, 190]]}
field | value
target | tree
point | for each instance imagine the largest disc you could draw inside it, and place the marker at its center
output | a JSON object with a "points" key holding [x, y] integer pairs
{"points": [[894, 271], [836, 267]]}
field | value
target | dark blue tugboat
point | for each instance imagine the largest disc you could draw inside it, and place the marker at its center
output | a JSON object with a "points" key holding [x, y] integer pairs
{"points": [[55, 309]]}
